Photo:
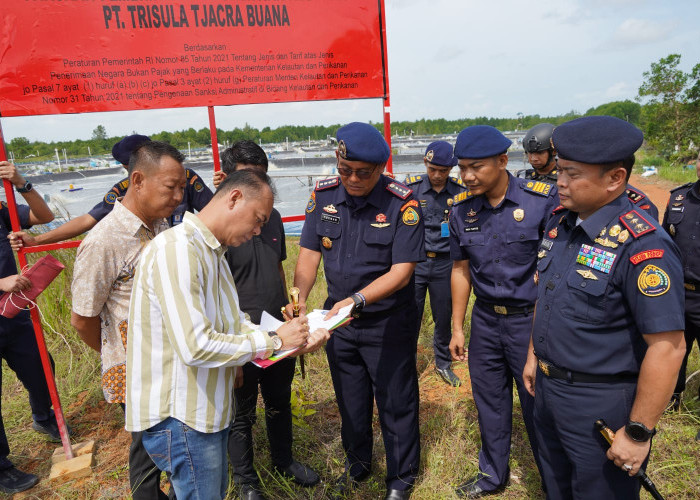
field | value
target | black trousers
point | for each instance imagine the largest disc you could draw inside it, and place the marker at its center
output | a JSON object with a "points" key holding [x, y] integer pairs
{"points": [[276, 387], [19, 349], [692, 333]]}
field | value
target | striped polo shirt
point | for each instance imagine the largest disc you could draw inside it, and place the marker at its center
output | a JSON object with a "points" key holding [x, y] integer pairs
{"points": [[186, 332]]}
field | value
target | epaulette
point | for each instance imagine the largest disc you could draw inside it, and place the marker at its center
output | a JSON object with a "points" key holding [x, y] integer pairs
{"points": [[412, 179], [188, 172], [683, 186], [327, 183], [560, 208], [457, 181], [636, 223], [124, 185], [461, 197], [399, 190], [537, 187], [634, 195]]}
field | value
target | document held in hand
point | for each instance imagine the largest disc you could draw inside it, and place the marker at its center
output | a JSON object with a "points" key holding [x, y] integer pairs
{"points": [[41, 274], [316, 321]]}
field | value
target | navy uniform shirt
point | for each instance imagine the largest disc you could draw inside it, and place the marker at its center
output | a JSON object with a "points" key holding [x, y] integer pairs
{"points": [[602, 285], [361, 238], [7, 256], [436, 208], [642, 201], [682, 222], [501, 242], [255, 269], [195, 197]]}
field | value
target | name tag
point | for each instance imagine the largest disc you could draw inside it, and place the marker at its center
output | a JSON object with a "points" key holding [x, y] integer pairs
{"points": [[330, 218], [677, 209], [444, 229], [472, 229], [547, 244]]}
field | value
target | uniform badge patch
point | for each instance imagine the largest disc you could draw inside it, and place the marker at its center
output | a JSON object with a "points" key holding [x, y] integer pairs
{"points": [[410, 203], [646, 255], [111, 197], [606, 242], [330, 209], [615, 230], [198, 187], [595, 258], [471, 213], [450, 202], [429, 155], [538, 187], [588, 274], [553, 233], [680, 197], [518, 214], [342, 149], [410, 217], [380, 221], [311, 205], [653, 281], [623, 236], [541, 254], [327, 243]]}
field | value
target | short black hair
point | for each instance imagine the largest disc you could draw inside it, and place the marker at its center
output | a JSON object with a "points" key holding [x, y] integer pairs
{"points": [[243, 153], [251, 180], [148, 155], [627, 164]]}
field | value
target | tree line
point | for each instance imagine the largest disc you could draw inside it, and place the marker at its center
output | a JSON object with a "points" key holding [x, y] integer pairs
{"points": [[667, 109]]}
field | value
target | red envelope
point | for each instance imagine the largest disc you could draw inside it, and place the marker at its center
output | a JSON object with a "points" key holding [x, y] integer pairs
{"points": [[41, 274]]}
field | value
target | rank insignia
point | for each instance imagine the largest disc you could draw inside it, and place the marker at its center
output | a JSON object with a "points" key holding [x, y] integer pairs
{"points": [[538, 187], [553, 233], [327, 183], [450, 202], [596, 258], [327, 243], [634, 196], [399, 190], [636, 223], [471, 213], [653, 281], [342, 150], [680, 197], [410, 203], [606, 242], [124, 184], [410, 217], [615, 230], [413, 179], [330, 209], [588, 274], [311, 205], [429, 155], [646, 255], [424, 203], [518, 214], [536, 278], [672, 230], [622, 237], [459, 198]]}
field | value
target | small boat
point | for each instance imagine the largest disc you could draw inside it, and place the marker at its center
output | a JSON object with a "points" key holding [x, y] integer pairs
{"points": [[72, 188]]}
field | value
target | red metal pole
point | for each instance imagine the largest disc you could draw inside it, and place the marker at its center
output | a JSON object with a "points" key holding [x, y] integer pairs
{"points": [[386, 103], [214, 139], [36, 321]]}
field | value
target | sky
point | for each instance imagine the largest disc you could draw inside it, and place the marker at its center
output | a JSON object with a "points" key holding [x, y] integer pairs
{"points": [[461, 58]]}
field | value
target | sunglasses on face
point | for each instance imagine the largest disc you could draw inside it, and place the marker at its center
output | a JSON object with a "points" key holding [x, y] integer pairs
{"points": [[362, 173]]}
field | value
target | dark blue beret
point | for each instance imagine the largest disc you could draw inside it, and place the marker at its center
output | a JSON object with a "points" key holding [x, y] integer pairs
{"points": [[121, 151], [440, 153], [481, 141], [596, 139], [362, 142]]}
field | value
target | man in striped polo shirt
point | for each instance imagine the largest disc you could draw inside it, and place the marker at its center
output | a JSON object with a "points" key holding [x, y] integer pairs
{"points": [[187, 334]]}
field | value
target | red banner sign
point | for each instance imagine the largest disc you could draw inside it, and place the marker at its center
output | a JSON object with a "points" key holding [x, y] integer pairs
{"points": [[76, 56]]}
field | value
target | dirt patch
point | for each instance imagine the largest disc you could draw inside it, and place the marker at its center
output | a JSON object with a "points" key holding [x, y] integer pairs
{"points": [[655, 188]]}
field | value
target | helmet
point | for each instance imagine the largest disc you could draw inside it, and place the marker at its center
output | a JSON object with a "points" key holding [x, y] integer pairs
{"points": [[538, 138]]}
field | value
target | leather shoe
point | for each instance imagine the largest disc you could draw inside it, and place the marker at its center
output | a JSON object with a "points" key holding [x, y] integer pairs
{"points": [[448, 376], [250, 491], [471, 489], [13, 480], [300, 474], [392, 494], [50, 428], [342, 486]]}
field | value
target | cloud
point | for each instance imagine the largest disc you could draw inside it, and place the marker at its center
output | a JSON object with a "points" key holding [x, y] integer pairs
{"points": [[633, 32]]}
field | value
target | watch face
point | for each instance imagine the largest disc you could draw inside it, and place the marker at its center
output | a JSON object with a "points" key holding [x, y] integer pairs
{"points": [[637, 432]]}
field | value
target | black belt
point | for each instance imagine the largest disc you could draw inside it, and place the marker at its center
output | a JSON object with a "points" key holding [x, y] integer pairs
{"points": [[552, 371], [378, 314], [506, 310], [438, 255]]}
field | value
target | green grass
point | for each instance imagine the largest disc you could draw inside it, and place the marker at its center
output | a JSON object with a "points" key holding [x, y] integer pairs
{"points": [[448, 419], [677, 174]]}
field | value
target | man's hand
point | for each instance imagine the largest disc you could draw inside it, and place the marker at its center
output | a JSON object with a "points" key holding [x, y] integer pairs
{"points": [[457, 346], [15, 283], [218, 178], [21, 239], [530, 372], [316, 340], [9, 171], [625, 451], [338, 306], [294, 333]]}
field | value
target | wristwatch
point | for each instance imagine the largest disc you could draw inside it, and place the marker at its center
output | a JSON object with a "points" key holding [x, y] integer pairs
{"points": [[359, 303], [639, 432], [276, 340], [26, 188]]}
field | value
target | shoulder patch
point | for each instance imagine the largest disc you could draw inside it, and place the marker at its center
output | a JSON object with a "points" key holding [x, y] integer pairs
{"points": [[560, 208], [537, 187], [457, 181], [327, 183], [124, 185], [412, 179], [461, 197], [311, 205], [110, 198], [637, 224], [409, 203], [646, 255], [634, 195], [689, 184], [399, 190]]}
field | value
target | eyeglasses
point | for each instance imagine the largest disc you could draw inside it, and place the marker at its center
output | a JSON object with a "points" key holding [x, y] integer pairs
{"points": [[363, 173]]}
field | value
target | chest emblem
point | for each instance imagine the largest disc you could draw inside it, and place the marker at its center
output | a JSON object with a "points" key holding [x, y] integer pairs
{"points": [[541, 254], [680, 197], [653, 281], [450, 202], [595, 258], [518, 214], [327, 243], [553, 233], [606, 242], [410, 217], [615, 230], [588, 274], [380, 221], [471, 213], [330, 209], [672, 229], [603, 231], [623, 236]]}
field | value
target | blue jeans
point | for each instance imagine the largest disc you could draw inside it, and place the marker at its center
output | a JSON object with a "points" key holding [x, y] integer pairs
{"points": [[197, 461]]}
